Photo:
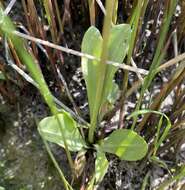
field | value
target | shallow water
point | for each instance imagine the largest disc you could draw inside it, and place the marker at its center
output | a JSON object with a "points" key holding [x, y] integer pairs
{"points": [[24, 162]]}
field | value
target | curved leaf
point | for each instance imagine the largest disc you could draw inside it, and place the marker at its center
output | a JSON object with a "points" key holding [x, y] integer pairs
{"points": [[159, 137], [117, 47], [49, 130], [101, 166], [91, 44], [126, 144]]}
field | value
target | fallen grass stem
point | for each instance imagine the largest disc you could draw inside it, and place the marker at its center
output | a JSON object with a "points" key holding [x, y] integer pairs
{"points": [[171, 62], [9, 7], [30, 80], [79, 54], [67, 91], [101, 6]]}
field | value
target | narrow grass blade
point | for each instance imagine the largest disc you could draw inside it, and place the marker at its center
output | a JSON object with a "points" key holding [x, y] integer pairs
{"points": [[159, 54], [160, 138]]}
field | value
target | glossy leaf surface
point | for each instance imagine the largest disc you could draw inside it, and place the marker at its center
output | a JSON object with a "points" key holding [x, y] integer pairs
{"points": [[49, 129], [126, 144]]}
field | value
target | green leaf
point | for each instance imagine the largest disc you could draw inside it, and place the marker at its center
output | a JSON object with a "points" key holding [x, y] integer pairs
{"points": [[118, 48], [159, 162], [159, 137], [101, 166], [115, 12], [90, 185], [92, 44], [112, 97], [114, 94], [2, 188], [2, 77], [50, 130], [126, 144]]}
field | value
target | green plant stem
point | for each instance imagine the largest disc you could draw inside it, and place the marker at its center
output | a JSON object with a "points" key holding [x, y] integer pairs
{"points": [[102, 71], [115, 12], [7, 28], [92, 13], [145, 181], [159, 137], [167, 88], [65, 182], [159, 54], [134, 23], [44, 90]]}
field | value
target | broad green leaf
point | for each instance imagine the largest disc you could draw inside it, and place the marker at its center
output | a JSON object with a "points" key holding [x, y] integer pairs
{"points": [[101, 166], [49, 130], [126, 144], [118, 48], [2, 188], [92, 44]]}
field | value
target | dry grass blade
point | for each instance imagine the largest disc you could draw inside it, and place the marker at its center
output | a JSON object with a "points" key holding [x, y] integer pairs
{"points": [[101, 6], [36, 27], [170, 7], [68, 91], [138, 74], [80, 54], [181, 23], [48, 5], [31, 80], [9, 7], [179, 124], [167, 88], [33, 23], [171, 62], [178, 112], [58, 17], [67, 16], [179, 99]]}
